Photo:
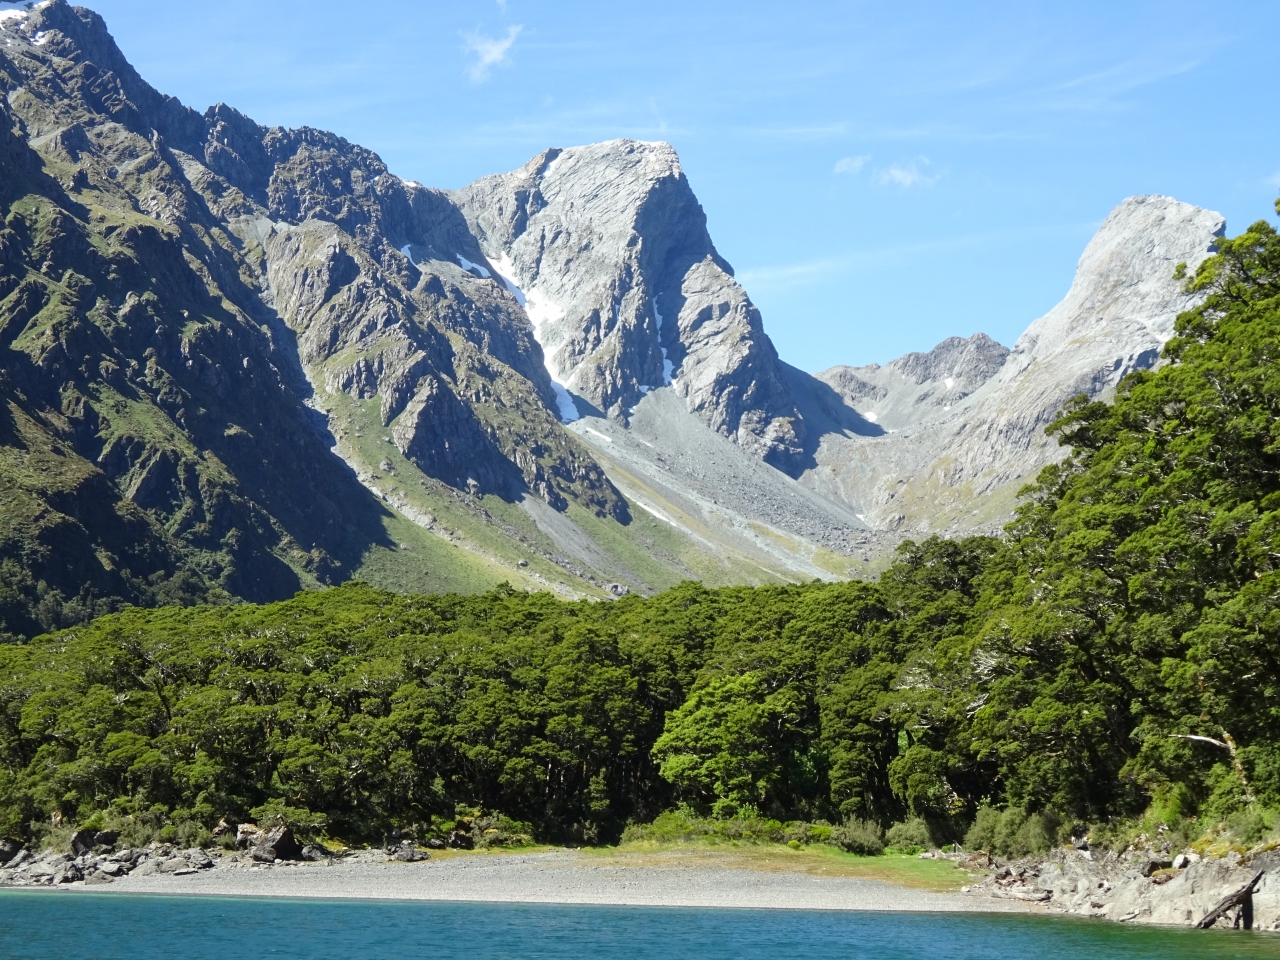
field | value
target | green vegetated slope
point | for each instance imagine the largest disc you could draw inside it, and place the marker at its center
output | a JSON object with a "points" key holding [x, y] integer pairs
{"points": [[1115, 654], [195, 311], [151, 450]]}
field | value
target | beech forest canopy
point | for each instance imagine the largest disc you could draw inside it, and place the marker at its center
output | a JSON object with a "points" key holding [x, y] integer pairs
{"points": [[1117, 651]]}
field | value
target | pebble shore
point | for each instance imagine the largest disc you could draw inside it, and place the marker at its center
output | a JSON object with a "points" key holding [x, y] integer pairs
{"points": [[551, 877]]}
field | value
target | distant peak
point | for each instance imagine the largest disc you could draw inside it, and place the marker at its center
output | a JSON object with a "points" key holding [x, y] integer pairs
{"points": [[655, 159]]}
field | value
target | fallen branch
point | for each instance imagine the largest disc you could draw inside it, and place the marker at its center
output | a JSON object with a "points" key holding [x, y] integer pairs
{"points": [[1228, 744], [1190, 736], [1241, 898]]}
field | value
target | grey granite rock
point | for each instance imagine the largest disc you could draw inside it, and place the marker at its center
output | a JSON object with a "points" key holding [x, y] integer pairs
{"points": [[964, 431], [448, 318], [609, 249], [1124, 889]]}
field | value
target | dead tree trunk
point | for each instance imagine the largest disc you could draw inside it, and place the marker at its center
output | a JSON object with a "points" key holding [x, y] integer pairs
{"points": [[1242, 898]]}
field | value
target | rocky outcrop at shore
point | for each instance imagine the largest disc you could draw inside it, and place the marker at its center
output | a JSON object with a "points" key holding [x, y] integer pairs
{"points": [[93, 860], [51, 868], [1236, 891]]}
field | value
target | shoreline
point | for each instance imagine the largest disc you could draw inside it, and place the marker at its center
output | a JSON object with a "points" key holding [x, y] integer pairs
{"points": [[557, 877]]}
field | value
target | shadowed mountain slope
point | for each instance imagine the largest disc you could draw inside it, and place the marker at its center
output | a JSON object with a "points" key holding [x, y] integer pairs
{"points": [[238, 361]]}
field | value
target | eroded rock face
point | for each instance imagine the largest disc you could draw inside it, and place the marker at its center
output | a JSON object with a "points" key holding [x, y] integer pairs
{"points": [[228, 280], [364, 268], [1139, 889], [919, 386], [967, 420], [610, 251]]}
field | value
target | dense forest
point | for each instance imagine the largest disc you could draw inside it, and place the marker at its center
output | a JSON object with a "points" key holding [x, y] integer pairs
{"points": [[1115, 654]]}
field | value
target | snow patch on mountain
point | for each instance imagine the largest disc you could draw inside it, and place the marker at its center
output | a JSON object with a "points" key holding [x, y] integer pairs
{"points": [[667, 367], [540, 310], [473, 267]]}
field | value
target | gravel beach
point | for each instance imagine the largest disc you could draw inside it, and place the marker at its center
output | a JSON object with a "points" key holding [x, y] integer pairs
{"points": [[552, 877]]}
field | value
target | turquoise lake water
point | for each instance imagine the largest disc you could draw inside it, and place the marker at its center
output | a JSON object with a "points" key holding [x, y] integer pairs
{"points": [[64, 926]]}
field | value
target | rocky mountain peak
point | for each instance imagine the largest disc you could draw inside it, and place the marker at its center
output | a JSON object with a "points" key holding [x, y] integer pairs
{"points": [[277, 364], [1124, 290], [973, 360], [609, 248], [958, 450]]}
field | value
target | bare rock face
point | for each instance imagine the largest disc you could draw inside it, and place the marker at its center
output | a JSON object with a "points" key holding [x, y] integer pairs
{"points": [[965, 422], [610, 252], [919, 386], [200, 311], [1146, 889]]}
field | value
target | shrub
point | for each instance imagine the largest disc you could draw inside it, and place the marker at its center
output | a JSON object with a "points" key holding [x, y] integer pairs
{"points": [[912, 836], [1013, 832], [1037, 834], [674, 826], [982, 835], [1248, 827], [501, 831], [193, 834], [859, 836], [140, 828], [300, 820]]}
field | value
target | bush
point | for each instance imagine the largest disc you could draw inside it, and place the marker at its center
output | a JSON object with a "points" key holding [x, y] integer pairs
{"points": [[1248, 827], [683, 825], [192, 834], [1013, 833], [859, 836], [674, 826], [982, 835], [500, 831], [911, 836], [140, 828], [300, 820]]}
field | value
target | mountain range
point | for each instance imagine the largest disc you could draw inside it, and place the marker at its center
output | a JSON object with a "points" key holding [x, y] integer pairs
{"points": [[239, 361]]}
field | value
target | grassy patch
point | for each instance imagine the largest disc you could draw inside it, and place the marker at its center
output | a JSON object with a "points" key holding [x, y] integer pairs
{"points": [[817, 860]]}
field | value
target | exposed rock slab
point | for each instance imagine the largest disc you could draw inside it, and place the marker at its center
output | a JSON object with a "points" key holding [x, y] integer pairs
{"points": [[627, 292], [1129, 890], [964, 431]]}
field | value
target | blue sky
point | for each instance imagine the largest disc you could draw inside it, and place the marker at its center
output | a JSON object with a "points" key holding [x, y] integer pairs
{"points": [[881, 174]]}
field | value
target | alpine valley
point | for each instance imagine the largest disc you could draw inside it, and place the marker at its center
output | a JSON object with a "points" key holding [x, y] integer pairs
{"points": [[240, 361]]}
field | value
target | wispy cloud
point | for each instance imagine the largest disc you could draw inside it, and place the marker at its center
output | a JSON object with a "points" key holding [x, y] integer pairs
{"points": [[851, 165], [795, 133], [782, 277], [912, 173], [490, 52], [1273, 181]]}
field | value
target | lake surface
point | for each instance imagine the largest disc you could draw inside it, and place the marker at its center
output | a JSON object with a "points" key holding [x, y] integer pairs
{"points": [[64, 926]]}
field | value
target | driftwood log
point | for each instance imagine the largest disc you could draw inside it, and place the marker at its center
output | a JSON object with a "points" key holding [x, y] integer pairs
{"points": [[1242, 898]]}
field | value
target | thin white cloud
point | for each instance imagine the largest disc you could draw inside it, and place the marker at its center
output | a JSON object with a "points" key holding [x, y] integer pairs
{"points": [[1274, 180], [912, 173], [851, 165], [785, 134], [489, 52], [788, 276]]}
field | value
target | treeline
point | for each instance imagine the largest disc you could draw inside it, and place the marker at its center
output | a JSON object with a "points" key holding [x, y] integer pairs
{"points": [[1117, 652]]}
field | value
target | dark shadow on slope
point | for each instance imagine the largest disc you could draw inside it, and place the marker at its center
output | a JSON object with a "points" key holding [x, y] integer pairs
{"points": [[823, 412]]}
